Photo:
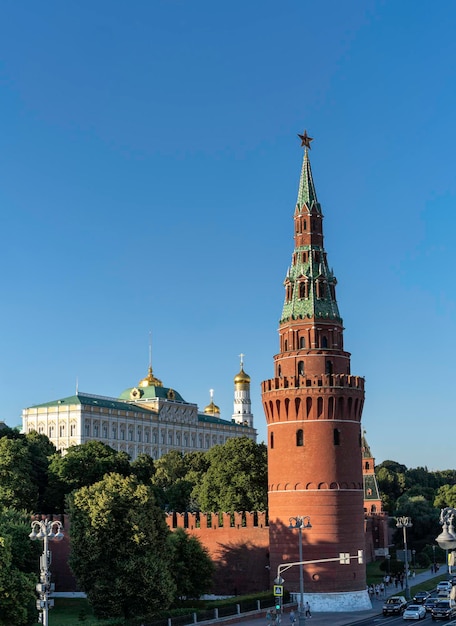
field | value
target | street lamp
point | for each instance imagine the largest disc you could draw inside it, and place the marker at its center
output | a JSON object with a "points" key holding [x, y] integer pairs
{"points": [[46, 530], [300, 522], [447, 538], [404, 523]]}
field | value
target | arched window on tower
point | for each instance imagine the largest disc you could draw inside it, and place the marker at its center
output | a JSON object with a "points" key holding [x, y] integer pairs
{"points": [[285, 345], [302, 342], [324, 342], [304, 289], [366, 465], [305, 225], [336, 435], [329, 367], [271, 440], [279, 371], [301, 368], [300, 437]]}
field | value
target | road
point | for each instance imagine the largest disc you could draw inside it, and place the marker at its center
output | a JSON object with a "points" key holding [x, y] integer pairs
{"points": [[372, 617]]}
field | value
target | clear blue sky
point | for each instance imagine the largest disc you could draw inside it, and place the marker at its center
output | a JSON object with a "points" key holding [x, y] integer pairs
{"points": [[148, 176]]}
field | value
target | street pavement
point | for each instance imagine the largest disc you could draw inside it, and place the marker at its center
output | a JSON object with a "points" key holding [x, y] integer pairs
{"points": [[333, 619]]}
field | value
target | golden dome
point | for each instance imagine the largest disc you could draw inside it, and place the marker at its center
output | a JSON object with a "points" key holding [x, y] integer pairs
{"points": [[212, 409], [242, 378], [150, 380]]}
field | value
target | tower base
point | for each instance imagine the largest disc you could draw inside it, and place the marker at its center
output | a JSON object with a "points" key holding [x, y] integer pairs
{"points": [[336, 602]]}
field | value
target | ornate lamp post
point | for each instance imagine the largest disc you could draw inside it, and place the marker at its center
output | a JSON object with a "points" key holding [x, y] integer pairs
{"points": [[46, 530], [300, 522], [404, 523], [447, 538]]}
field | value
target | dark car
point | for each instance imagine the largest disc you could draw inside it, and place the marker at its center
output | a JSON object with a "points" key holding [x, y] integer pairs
{"points": [[420, 597], [394, 605], [443, 609], [429, 603]]}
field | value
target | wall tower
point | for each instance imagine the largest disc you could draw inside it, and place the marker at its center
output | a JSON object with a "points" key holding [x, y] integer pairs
{"points": [[313, 409]]}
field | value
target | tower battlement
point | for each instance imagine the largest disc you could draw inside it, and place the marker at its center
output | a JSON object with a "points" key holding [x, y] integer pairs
{"points": [[323, 380]]}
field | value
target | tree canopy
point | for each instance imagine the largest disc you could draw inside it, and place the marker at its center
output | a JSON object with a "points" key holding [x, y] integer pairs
{"points": [[117, 538], [236, 479]]}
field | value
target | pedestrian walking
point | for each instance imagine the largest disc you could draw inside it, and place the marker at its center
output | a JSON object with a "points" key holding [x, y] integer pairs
{"points": [[307, 612], [292, 617], [268, 618]]}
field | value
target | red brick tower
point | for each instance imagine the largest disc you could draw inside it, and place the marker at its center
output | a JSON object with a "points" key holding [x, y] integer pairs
{"points": [[313, 409]]}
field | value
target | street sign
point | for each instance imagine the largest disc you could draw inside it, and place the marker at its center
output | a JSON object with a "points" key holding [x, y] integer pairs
{"points": [[344, 558], [279, 580], [278, 591]]}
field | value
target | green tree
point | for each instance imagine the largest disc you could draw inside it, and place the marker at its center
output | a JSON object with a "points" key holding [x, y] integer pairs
{"points": [[192, 566], [446, 496], [17, 558], [117, 538], [84, 465], [172, 488], [17, 489], [236, 479], [40, 450], [143, 467], [425, 520]]}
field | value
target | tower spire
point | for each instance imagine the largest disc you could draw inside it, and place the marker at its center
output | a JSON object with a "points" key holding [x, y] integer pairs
{"points": [[307, 195], [310, 285]]}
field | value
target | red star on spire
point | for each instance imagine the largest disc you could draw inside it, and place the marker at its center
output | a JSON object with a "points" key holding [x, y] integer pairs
{"points": [[305, 140]]}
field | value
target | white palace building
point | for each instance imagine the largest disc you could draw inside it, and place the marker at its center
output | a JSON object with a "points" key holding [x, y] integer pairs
{"points": [[150, 419]]}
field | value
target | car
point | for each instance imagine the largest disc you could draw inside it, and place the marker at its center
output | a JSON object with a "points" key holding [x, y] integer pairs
{"points": [[444, 585], [443, 609], [429, 603], [414, 611], [420, 597], [394, 605]]}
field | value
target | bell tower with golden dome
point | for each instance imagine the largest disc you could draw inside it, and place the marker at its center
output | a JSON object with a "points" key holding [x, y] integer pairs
{"points": [[242, 413], [313, 407]]}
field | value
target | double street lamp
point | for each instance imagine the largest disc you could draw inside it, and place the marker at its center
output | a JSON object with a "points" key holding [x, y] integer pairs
{"points": [[447, 538], [46, 530], [300, 522], [404, 523]]}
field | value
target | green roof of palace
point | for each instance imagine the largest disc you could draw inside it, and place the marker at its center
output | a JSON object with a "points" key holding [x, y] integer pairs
{"points": [[92, 400], [152, 392]]}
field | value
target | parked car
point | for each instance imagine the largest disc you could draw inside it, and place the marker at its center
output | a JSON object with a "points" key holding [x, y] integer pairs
{"points": [[414, 611], [443, 609], [420, 597], [394, 605]]}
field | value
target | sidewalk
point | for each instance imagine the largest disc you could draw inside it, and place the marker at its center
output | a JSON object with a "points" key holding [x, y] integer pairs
{"points": [[336, 619]]}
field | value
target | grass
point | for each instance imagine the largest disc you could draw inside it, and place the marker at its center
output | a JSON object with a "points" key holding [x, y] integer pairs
{"points": [[74, 612]]}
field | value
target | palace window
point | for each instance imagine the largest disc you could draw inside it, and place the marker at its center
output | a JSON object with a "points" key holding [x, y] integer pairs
{"points": [[300, 437], [336, 437]]}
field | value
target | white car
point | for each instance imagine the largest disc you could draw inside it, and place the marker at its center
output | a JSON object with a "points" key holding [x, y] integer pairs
{"points": [[444, 585], [414, 611]]}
